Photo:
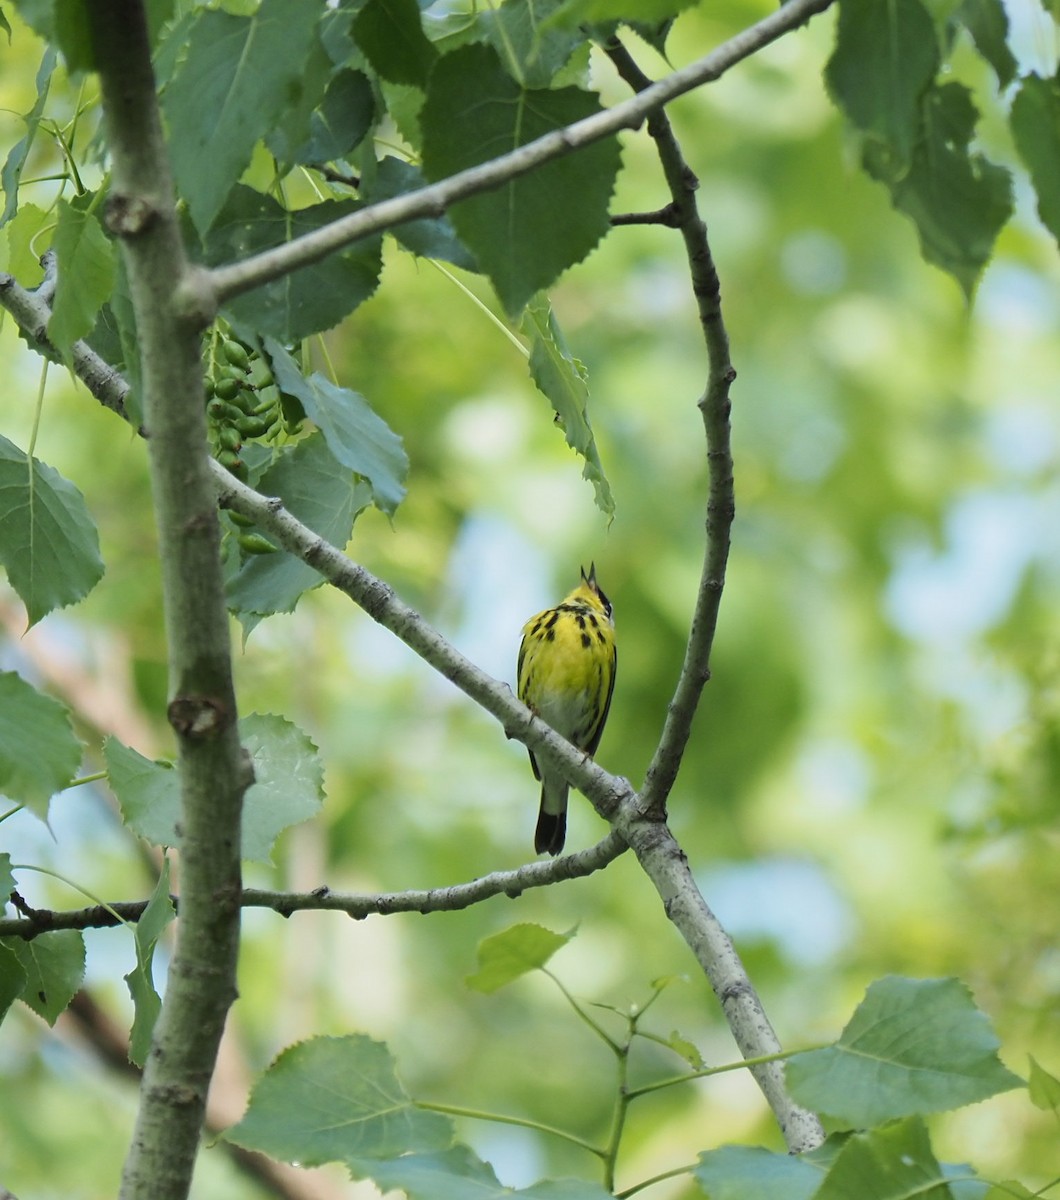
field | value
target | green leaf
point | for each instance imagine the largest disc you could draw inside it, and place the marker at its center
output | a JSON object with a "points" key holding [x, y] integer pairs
{"points": [[7, 879], [48, 542], [958, 201], [288, 783], [11, 173], [428, 237], [564, 381], [1044, 1088], [5, 26], [234, 82], [148, 793], [912, 1046], [532, 47], [289, 787], [1035, 121], [308, 300], [358, 437], [894, 1163], [459, 1174], [332, 113], [12, 976], [23, 254], [753, 1173], [513, 231], [336, 1098], [513, 952], [86, 272], [885, 57], [578, 12], [55, 966], [140, 980], [317, 489], [688, 1050], [390, 35], [1011, 1189], [987, 22], [39, 754], [73, 35]]}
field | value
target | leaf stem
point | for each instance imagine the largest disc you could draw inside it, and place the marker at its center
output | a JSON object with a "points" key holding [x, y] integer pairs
{"points": [[455, 1110]]}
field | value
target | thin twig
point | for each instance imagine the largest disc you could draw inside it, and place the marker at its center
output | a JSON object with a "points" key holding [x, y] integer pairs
{"points": [[512, 884], [714, 406]]}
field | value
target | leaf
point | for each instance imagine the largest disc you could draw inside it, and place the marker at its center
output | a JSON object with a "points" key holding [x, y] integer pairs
{"points": [[11, 173], [532, 47], [317, 489], [513, 231], [958, 201], [1044, 1088], [55, 966], [687, 1050], [429, 237], [912, 1046], [23, 255], [148, 793], [333, 112], [459, 1174], [753, 1173], [7, 879], [1035, 120], [48, 542], [234, 82], [391, 37], [73, 35], [513, 952], [564, 381], [288, 783], [86, 273], [357, 436], [306, 301], [893, 1163], [332, 1099], [140, 980], [289, 787], [987, 22], [39, 754], [885, 57], [576, 12], [12, 976]]}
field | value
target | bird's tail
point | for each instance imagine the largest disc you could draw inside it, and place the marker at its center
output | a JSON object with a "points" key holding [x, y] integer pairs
{"points": [[551, 829]]}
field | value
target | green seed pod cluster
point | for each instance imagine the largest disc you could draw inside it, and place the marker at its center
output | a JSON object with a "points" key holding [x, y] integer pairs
{"points": [[242, 401]]}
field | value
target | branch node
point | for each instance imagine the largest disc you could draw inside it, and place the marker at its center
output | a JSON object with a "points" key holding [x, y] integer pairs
{"points": [[198, 717], [129, 216]]}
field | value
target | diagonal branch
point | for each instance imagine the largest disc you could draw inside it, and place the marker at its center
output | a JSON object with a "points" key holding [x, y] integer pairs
{"points": [[225, 282]]}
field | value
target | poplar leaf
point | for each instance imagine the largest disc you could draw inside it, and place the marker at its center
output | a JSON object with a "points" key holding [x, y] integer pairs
{"points": [[235, 80], [48, 541], [514, 231], [86, 270], [39, 753]]}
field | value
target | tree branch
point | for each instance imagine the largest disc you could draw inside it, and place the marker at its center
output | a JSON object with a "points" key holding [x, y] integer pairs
{"points": [[714, 406], [225, 282], [141, 212], [657, 850], [37, 921]]}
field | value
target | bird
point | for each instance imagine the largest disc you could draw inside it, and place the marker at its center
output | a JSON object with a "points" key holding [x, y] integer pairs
{"points": [[566, 676]]}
